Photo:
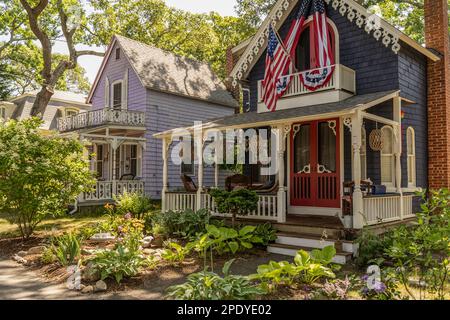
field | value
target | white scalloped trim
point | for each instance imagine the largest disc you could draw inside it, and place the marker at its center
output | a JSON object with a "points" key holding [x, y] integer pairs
{"points": [[358, 15]]}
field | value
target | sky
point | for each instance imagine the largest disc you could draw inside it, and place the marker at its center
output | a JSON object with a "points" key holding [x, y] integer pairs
{"points": [[92, 64]]}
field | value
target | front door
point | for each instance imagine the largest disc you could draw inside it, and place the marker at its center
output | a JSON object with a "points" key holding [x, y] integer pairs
{"points": [[315, 176]]}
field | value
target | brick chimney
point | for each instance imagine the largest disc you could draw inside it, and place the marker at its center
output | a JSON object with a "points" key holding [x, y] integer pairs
{"points": [[437, 39], [230, 63]]}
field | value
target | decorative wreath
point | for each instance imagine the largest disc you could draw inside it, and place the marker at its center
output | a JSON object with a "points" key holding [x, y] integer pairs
{"points": [[376, 140]]}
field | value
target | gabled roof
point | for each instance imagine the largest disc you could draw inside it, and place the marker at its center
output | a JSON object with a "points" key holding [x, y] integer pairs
{"points": [[380, 29], [60, 96], [254, 119], [166, 72]]}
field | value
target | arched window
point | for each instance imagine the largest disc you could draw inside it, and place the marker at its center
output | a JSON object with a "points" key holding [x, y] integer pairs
{"points": [[411, 153], [363, 154], [305, 55], [387, 157]]}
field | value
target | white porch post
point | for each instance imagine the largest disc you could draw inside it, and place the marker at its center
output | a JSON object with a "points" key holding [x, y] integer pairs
{"points": [[281, 148], [198, 136], [358, 218], [114, 146], [216, 174], [165, 151], [398, 151]]}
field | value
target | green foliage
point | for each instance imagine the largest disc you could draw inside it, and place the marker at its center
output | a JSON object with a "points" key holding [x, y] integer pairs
{"points": [[236, 202], [185, 224], [39, 175], [135, 203], [48, 256], [67, 249], [227, 240], [126, 260], [121, 226], [210, 286], [266, 232], [422, 252], [306, 269], [175, 253], [372, 248], [385, 288]]}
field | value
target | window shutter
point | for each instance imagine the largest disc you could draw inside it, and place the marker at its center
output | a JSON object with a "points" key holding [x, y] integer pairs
{"points": [[125, 91], [107, 95]]}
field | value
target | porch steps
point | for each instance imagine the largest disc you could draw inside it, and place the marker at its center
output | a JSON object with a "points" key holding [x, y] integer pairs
{"points": [[341, 257]]}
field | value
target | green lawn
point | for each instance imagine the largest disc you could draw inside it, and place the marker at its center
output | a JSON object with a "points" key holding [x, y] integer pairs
{"points": [[49, 226]]}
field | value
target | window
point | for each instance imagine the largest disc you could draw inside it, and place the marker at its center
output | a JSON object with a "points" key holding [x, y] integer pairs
{"points": [[363, 154], [411, 153], [305, 55], [71, 112], [188, 168], [99, 161], [117, 53], [2, 113], [387, 157], [117, 95]]}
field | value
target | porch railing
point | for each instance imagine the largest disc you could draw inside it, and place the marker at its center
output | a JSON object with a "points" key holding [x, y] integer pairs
{"points": [[343, 78], [179, 201], [387, 208], [105, 190], [101, 117]]}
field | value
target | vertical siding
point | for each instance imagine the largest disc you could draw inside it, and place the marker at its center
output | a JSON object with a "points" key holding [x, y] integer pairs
{"points": [[164, 112]]}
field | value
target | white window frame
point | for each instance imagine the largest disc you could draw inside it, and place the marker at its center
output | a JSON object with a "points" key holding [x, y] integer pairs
{"points": [[102, 160], [411, 156], [121, 92], [193, 155], [391, 156]]}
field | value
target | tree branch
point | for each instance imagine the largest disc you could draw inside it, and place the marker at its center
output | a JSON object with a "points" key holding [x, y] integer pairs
{"points": [[89, 53]]}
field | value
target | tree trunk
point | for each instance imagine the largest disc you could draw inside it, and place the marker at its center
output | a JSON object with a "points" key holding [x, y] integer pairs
{"points": [[40, 104]]}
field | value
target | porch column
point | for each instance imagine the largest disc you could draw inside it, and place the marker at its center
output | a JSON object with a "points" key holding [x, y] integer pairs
{"points": [[358, 208], [165, 173], [198, 136], [216, 174], [114, 146], [281, 132], [398, 151]]}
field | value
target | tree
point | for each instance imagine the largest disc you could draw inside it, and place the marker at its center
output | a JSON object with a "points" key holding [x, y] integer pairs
{"points": [[39, 175], [204, 37], [19, 71], [407, 15], [58, 19]]}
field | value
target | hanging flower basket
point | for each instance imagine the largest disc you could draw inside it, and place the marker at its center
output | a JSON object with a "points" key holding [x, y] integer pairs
{"points": [[376, 140]]}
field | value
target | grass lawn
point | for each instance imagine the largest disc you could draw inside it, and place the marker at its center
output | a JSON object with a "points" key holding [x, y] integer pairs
{"points": [[50, 226]]}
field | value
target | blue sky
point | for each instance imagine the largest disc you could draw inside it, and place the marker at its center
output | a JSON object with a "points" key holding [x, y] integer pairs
{"points": [[225, 7]]}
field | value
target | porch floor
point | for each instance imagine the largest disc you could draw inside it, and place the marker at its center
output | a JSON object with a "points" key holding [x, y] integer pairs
{"points": [[327, 222]]}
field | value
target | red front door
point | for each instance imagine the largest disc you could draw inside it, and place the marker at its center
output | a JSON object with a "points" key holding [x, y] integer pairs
{"points": [[315, 176]]}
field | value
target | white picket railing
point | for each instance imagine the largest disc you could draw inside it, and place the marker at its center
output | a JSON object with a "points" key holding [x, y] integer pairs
{"points": [[178, 201], [343, 78], [387, 208], [101, 117], [105, 190]]}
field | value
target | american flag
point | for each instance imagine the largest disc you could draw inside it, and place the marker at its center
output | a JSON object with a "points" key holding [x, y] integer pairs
{"points": [[279, 58], [324, 62]]}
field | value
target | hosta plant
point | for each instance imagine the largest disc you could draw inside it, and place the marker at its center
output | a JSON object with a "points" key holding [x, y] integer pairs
{"points": [[66, 249], [175, 253], [210, 286]]}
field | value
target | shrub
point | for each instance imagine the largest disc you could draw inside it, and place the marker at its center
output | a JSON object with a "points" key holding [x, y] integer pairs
{"points": [[48, 256], [121, 226], [225, 240], [125, 260], [422, 252], [185, 224], [306, 269], [236, 202], [371, 248], [175, 253], [39, 175], [135, 203], [67, 249], [266, 232], [210, 286]]}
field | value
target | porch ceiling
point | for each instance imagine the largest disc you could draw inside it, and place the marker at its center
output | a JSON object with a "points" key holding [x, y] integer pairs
{"points": [[254, 119]]}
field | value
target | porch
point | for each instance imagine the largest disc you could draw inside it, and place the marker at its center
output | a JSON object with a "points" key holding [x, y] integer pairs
{"points": [[309, 143]]}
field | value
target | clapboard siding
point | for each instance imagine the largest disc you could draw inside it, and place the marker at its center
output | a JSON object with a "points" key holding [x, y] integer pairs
{"points": [[164, 112], [115, 70]]}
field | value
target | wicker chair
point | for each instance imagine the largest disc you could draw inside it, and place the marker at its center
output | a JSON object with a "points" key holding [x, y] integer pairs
{"points": [[188, 183], [235, 181]]}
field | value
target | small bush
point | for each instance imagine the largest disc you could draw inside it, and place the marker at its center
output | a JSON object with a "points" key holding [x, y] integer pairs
{"points": [[175, 253], [48, 256], [121, 226], [135, 203], [67, 249], [210, 286], [236, 202]]}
